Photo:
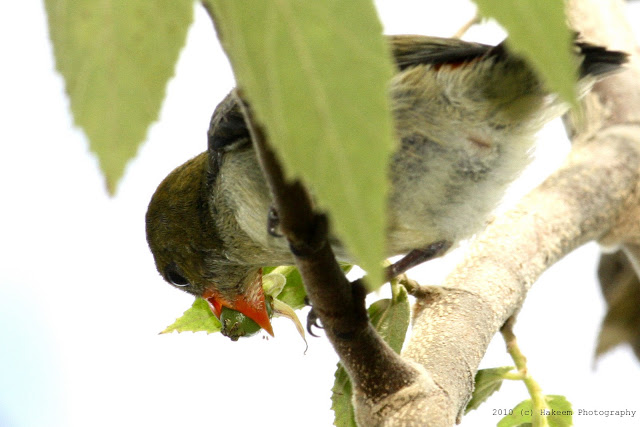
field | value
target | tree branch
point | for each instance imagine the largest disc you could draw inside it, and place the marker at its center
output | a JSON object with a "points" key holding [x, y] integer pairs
{"points": [[593, 196], [374, 368]]}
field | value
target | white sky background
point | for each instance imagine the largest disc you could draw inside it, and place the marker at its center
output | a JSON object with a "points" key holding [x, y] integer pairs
{"points": [[81, 304]]}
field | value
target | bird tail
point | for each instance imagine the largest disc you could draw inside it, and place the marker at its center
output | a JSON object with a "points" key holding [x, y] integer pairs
{"points": [[598, 61]]}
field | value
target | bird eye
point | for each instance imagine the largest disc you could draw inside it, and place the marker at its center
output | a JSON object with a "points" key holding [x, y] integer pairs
{"points": [[173, 275]]}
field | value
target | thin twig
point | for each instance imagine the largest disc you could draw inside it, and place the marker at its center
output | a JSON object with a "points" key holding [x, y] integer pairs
{"points": [[539, 404], [462, 30], [374, 368]]}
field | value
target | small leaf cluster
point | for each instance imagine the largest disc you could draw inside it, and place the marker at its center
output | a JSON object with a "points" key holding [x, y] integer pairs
{"points": [[200, 318], [391, 319], [556, 410]]}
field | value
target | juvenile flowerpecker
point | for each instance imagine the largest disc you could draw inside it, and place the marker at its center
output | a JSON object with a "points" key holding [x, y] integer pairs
{"points": [[465, 117]]}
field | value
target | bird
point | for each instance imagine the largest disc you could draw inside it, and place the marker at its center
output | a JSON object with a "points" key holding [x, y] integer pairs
{"points": [[465, 116]]}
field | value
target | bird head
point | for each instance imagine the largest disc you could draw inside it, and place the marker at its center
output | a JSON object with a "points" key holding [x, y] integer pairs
{"points": [[189, 252]]}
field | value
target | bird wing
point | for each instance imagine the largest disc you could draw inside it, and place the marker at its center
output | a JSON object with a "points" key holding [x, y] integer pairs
{"points": [[228, 130], [412, 50]]}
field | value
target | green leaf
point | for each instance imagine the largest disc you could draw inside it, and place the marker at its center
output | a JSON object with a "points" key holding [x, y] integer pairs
{"points": [[316, 74], [341, 399], [521, 415], [116, 58], [487, 382], [559, 413], [198, 318], [391, 319], [293, 293], [538, 31]]}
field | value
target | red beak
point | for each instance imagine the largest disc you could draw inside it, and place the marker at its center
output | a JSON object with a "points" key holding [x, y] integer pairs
{"points": [[251, 303]]}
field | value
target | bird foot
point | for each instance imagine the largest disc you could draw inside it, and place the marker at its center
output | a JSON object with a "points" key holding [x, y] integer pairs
{"points": [[417, 257]]}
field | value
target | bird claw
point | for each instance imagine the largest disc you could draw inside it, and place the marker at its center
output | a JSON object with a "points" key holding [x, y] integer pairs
{"points": [[312, 321], [417, 257], [273, 222]]}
